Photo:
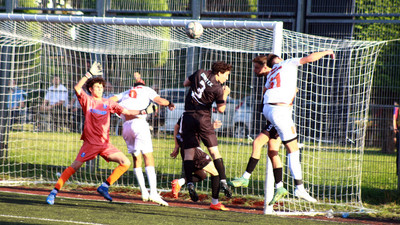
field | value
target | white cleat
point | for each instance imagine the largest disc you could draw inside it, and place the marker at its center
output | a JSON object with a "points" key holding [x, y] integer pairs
{"points": [[158, 199], [301, 193], [145, 196]]}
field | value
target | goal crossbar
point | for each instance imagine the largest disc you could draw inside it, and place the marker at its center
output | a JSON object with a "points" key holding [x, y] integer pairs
{"points": [[165, 22]]}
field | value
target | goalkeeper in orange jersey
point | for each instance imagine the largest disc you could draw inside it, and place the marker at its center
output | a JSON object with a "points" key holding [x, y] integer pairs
{"points": [[95, 136]]}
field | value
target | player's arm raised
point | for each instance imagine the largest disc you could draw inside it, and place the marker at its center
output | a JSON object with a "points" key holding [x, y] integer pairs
{"points": [[316, 56], [95, 70]]}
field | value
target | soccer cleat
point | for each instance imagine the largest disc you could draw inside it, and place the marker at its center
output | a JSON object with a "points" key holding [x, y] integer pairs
{"points": [[239, 182], [175, 188], [145, 196], [50, 198], [192, 192], [226, 189], [157, 199], [279, 193], [301, 193], [104, 192], [218, 206]]}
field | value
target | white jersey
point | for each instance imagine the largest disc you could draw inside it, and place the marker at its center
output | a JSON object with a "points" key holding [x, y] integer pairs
{"points": [[56, 94], [136, 98], [281, 83]]}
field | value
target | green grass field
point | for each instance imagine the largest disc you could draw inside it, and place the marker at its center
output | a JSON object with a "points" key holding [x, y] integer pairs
{"points": [[32, 209], [38, 156]]}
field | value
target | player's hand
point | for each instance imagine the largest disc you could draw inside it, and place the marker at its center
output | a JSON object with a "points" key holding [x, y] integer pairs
{"points": [[331, 53], [175, 152], [151, 108], [217, 124], [227, 90], [96, 69], [171, 106]]}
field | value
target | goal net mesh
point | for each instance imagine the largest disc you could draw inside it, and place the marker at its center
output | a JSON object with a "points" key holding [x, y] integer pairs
{"points": [[330, 109]]}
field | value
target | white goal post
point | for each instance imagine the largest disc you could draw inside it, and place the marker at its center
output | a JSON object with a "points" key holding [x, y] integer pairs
{"points": [[330, 108]]}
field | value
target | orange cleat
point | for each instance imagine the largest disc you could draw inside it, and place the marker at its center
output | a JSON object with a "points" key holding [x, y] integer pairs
{"points": [[175, 188], [218, 206]]}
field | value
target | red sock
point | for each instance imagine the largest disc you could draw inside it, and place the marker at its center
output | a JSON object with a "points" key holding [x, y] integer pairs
{"points": [[64, 177], [117, 173]]}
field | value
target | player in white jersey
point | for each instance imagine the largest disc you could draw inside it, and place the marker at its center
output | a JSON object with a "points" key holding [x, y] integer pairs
{"points": [[279, 91], [136, 133]]}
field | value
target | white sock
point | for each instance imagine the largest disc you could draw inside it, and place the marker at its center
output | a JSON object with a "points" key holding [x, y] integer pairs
{"points": [[246, 175], [181, 182], [300, 187], [104, 184], [151, 176], [140, 178], [278, 185], [214, 201], [294, 165]]}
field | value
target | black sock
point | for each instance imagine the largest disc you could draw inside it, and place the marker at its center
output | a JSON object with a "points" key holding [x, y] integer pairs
{"points": [[219, 165], [189, 169], [215, 187], [196, 178], [278, 175], [251, 165], [298, 182]]}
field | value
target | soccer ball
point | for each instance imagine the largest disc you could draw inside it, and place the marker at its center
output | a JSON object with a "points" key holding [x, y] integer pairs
{"points": [[194, 30]]}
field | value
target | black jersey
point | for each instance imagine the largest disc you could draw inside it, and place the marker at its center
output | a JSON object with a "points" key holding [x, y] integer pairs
{"points": [[204, 90]]}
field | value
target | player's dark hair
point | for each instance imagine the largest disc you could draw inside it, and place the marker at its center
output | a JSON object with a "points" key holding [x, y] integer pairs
{"points": [[261, 59], [270, 60], [141, 82], [220, 66], [94, 80]]}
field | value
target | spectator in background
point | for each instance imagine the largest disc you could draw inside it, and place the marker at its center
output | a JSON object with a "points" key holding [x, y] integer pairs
{"points": [[15, 102], [56, 103], [396, 124]]}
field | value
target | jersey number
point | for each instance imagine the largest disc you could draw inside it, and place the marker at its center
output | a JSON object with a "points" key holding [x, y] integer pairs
{"points": [[275, 82], [132, 93], [200, 90]]}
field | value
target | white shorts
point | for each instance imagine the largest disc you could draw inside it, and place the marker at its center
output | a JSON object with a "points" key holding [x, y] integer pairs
{"points": [[137, 136], [281, 118]]}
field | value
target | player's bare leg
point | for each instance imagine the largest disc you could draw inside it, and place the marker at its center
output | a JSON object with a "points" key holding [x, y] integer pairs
{"points": [[258, 143], [273, 154]]}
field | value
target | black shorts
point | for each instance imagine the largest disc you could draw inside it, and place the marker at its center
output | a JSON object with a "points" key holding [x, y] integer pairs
{"points": [[270, 131], [200, 159], [197, 126]]}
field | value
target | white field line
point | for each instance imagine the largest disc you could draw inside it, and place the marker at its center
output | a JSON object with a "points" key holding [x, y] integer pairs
{"points": [[46, 219]]}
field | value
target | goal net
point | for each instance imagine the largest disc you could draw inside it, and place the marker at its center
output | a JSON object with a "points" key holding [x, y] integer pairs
{"points": [[39, 140]]}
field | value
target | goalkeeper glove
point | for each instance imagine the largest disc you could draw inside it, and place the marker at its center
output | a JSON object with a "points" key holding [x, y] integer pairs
{"points": [[95, 69]]}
